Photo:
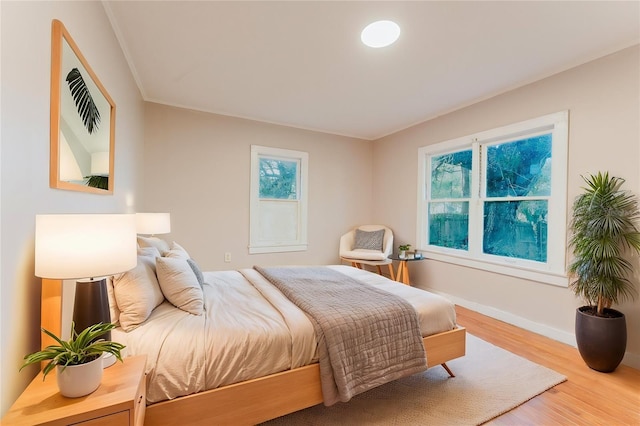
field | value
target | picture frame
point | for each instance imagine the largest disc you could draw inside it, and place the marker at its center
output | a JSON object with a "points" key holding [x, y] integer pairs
{"points": [[82, 138]]}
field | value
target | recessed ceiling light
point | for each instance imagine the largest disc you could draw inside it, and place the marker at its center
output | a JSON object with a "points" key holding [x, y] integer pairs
{"points": [[380, 33]]}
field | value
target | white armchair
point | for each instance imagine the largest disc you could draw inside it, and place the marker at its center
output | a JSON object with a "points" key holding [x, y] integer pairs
{"points": [[358, 251]]}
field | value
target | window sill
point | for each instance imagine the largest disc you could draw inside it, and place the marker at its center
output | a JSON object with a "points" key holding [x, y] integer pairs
{"points": [[276, 249], [560, 280]]}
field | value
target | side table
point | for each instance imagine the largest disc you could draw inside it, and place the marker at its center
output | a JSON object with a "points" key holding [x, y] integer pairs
{"points": [[120, 400], [402, 273]]}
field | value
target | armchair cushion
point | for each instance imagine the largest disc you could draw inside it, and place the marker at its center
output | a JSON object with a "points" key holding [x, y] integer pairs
{"points": [[368, 240]]}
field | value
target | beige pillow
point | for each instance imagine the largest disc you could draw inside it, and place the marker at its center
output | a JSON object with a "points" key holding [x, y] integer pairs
{"points": [[137, 293], [180, 284], [151, 252], [113, 305], [177, 252], [156, 242]]}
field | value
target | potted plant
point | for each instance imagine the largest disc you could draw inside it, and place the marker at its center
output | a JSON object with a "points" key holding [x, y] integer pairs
{"points": [[603, 228], [78, 361], [403, 250]]}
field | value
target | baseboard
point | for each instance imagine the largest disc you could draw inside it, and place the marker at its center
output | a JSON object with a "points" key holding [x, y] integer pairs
{"points": [[630, 359]]}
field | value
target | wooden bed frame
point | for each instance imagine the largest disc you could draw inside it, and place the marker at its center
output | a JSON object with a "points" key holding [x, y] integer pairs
{"points": [[253, 401]]}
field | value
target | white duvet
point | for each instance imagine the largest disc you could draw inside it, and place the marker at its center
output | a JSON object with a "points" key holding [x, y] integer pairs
{"points": [[249, 330]]}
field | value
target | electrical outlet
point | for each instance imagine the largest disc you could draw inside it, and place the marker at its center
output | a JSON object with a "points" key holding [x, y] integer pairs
{"points": [[227, 257]]}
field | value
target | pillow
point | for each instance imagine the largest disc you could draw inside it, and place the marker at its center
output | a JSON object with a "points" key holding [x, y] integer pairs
{"points": [[137, 293], [368, 240], [151, 252], [176, 251], [180, 284], [196, 270], [114, 312], [156, 242]]}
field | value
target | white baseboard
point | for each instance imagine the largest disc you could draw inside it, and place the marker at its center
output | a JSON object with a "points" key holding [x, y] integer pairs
{"points": [[630, 359]]}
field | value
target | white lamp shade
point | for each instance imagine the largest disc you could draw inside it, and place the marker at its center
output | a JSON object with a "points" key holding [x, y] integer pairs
{"points": [[100, 163], [72, 246], [153, 223]]}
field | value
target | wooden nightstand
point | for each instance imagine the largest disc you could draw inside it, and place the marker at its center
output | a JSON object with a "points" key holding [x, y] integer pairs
{"points": [[120, 400]]}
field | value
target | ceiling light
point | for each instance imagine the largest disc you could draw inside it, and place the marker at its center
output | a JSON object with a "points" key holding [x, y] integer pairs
{"points": [[380, 33]]}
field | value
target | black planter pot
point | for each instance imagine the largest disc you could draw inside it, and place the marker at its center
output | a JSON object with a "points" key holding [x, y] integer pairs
{"points": [[601, 341]]}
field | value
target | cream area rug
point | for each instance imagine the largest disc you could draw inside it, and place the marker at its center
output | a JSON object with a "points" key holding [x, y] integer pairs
{"points": [[489, 381]]}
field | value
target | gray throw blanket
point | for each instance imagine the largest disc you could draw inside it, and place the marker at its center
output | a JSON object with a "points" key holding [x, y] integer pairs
{"points": [[366, 336]]}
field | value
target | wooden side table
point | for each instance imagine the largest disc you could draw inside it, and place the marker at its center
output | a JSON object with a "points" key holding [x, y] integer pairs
{"points": [[120, 400], [402, 273]]}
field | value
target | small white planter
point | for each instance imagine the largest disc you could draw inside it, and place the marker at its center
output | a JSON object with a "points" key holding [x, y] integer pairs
{"points": [[79, 380]]}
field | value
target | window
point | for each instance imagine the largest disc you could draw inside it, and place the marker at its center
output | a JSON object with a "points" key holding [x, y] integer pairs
{"points": [[278, 206], [496, 200]]}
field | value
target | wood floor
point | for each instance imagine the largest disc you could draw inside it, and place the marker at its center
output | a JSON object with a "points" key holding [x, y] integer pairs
{"points": [[586, 398]]}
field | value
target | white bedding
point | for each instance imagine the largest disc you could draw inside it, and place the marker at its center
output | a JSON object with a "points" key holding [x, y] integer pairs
{"points": [[249, 330]]}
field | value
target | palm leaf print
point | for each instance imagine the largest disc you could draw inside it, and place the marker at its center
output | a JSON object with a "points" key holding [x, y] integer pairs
{"points": [[87, 108]]}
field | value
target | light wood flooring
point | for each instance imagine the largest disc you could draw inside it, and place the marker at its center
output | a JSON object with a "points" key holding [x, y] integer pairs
{"points": [[586, 398]]}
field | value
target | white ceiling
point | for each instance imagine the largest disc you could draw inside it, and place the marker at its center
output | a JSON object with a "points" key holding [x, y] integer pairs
{"points": [[302, 64]]}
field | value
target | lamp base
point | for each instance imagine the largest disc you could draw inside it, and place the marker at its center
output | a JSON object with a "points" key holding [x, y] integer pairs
{"points": [[91, 305]]}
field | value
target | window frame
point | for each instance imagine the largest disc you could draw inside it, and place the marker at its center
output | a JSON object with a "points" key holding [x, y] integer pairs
{"points": [[553, 271], [256, 203]]}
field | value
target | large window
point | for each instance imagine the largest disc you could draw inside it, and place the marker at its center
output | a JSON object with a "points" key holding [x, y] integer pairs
{"points": [[278, 200], [496, 200]]}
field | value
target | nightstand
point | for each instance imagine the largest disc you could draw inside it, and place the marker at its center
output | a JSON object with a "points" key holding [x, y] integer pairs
{"points": [[120, 400], [402, 274]]}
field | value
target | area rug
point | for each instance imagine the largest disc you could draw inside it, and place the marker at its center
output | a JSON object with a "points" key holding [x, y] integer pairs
{"points": [[489, 381]]}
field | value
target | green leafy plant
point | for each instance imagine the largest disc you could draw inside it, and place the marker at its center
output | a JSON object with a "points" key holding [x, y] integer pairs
{"points": [[603, 226], [80, 349], [87, 108], [97, 181], [404, 247]]}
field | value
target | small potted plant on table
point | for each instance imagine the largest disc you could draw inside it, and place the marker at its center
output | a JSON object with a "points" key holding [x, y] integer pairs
{"points": [[78, 361], [404, 248]]}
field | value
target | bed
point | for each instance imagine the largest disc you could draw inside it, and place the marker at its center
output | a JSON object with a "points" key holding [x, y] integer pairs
{"points": [[272, 369]]}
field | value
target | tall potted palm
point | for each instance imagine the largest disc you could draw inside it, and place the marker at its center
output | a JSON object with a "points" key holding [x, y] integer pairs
{"points": [[603, 231]]}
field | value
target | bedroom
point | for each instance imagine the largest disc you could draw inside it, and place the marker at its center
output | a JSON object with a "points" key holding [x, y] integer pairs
{"points": [[162, 150]]}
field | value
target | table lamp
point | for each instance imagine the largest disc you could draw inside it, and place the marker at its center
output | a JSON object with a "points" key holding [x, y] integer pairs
{"points": [[153, 223], [86, 247]]}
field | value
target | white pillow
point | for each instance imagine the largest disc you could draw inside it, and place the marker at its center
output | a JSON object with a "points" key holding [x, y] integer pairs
{"points": [[113, 305], [180, 284], [137, 293], [156, 242], [151, 252], [176, 251]]}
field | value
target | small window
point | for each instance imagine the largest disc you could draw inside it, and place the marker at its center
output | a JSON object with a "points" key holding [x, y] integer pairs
{"points": [[496, 200], [278, 200]]}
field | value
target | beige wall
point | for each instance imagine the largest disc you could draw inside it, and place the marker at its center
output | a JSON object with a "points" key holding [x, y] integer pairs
{"points": [[25, 192], [603, 102], [197, 167]]}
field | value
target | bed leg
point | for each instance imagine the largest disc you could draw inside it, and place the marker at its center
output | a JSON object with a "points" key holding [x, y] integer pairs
{"points": [[444, 365]]}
